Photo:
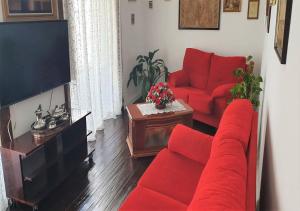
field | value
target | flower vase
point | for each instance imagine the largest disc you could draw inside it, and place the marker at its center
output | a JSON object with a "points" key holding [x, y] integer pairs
{"points": [[160, 107]]}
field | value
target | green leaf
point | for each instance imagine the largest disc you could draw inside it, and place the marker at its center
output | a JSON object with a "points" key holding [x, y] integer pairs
{"points": [[152, 54], [139, 57], [147, 72], [249, 58]]}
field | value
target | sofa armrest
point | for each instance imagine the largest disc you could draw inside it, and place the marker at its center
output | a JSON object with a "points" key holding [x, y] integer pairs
{"points": [[222, 91], [190, 143], [178, 78]]}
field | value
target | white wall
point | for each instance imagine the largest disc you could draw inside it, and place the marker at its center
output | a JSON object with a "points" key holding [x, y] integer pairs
{"points": [[159, 30], [281, 169], [22, 113], [1, 15], [133, 42]]}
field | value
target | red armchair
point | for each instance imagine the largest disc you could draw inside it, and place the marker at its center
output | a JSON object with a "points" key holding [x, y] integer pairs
{"points": [[205, 82], [201, 172]]}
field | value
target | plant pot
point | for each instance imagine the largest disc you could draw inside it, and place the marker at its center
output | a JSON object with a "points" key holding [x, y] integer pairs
{"points": [[160, 106]]}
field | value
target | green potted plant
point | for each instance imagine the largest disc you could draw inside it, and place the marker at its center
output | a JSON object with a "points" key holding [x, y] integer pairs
{"points": [[148, 72], [249, 87]]}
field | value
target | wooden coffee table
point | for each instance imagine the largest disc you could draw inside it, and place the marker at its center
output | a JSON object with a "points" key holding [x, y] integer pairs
{"points": [[149, 134]]}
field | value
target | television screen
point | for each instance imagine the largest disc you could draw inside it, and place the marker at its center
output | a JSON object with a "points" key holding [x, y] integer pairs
{"points": [[34, 58]]}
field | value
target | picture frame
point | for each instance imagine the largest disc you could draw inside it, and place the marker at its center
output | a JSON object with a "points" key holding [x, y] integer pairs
{"points": [[272, 2], [232, 5], [268, 14], [30, 10], [199, 14], [253, 9], [282, 30]]}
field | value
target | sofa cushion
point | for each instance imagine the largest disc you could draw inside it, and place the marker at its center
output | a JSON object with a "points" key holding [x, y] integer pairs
{"points": [[222, 185], [236, 123], [221, 71], [143, 199], [178, 78], [200, 101], [197, 64], [184, 92], [173, 175], [181, 93]]}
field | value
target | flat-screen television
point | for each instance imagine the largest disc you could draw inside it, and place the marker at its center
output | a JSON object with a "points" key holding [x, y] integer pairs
{"points": [[34, 58]]}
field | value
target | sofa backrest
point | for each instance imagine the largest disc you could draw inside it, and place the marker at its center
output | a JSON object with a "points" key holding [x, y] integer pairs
{"points": [[221, 70], [197, 65], [251, 162], [236, 123], [227, 180]]}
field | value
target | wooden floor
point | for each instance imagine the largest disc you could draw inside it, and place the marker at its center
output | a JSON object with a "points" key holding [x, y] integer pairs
{"points": [[104, 185]]}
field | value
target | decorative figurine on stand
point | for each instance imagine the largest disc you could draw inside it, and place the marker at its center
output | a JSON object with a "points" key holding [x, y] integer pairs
{"points": [[57, 112], [65, 116], [40, 122], [51, 124]]}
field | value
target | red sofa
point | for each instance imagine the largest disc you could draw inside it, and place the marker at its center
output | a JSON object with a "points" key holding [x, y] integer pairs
{"points": [[198, 172], [204, 83]]}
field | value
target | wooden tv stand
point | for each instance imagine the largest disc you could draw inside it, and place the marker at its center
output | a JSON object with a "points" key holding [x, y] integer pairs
{"points": [[32, 170]]}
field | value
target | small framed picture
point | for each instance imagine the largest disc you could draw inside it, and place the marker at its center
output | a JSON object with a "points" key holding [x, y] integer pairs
{"points": [[232, 5], [284, 12], [27, 10], [253, 9]]}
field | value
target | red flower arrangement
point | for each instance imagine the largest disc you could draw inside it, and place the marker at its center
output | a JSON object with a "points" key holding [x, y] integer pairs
{"points": [[160, 94]]}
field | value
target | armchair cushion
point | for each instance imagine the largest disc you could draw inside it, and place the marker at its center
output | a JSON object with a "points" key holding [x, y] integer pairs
{"points": [[144, 199], [232, 125], [189, 142], [197, 64], [181, 93], [222, 185], [201, 102], [178, 78], [221, 71], [223, 91], [173, 175]]}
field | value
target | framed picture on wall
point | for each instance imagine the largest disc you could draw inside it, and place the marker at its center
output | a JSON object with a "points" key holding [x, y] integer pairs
{"points": [[268, 14], [199, 14], [253, 9], [284, 12], [27, 10], [232, 5]]}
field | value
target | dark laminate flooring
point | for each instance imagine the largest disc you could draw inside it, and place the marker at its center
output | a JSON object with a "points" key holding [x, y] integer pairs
{"points": [[104, 185]]}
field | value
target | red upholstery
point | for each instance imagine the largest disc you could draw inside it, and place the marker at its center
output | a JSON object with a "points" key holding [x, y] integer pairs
{"points": [[144, 199], [233, 124], [205, 82], [181, 93], [197, 64], [221, 71], [201, 102], [168, 169], [222, 90], [179, 78], [222, 185], [200, 172], [197, 141]]}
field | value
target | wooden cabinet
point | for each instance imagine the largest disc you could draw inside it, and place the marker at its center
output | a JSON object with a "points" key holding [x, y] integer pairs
{"points": [[32, 170], [150, 134]]}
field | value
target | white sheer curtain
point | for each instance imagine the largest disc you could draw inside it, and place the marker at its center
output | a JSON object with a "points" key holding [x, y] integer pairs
{"points": [[95, 58], [3, 200]]}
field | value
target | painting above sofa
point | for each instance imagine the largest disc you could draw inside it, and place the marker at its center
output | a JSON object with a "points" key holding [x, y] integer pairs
{"points": [[199, 14]]}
